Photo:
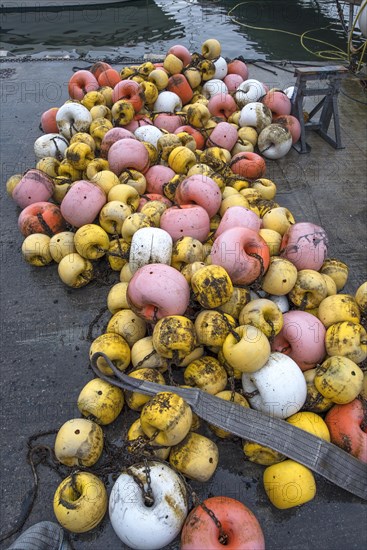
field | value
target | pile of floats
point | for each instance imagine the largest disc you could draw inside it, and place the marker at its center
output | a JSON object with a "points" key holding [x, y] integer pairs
{"points": [[160, 169]]}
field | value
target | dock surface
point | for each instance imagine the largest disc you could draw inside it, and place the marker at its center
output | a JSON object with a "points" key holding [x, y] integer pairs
{"points": [[46, 326]]}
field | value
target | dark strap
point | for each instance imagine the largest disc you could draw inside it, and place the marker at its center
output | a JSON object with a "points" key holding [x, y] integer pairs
{"points": [[322, 457]]}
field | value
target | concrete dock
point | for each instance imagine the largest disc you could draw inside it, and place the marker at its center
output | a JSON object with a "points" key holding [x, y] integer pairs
{"points": [[46, 326]]}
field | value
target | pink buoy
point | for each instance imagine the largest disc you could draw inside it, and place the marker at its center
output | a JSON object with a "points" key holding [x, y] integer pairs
{"points": [[158, 290], [278, 102], [248, 165], [232, 81], [222, 106], [182, 53], [168, 121], [129, 91], [113, 135], [188, 220], [194, 132], [305, 245], [35, 186], [238, 216], [201, 190], [148, 197], [80, 83], [157, 176], [128, 153], [291, 123], [243, 254], [236, 66], [137, 122], [48, 121], [224, 135], [240, 526], [41, 217], [302, 338], [82, 203]]}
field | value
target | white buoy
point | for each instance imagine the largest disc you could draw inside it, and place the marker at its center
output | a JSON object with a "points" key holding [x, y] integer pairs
{"points": [[280, 384], [281, 301], [50, 145], [221, 68], [150, 245], [144, 527], [362, 21], [148, 133], [214, 87], [248, 91], [72, 118], [167, 102], [255, 114], [274, 141]]}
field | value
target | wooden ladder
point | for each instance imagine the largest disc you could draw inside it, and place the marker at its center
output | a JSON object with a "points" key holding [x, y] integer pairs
{"points": [[330, 76]]}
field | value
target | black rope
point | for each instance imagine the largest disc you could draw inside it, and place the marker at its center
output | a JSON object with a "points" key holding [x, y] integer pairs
{"points": [[93, 323], [36, 455]]}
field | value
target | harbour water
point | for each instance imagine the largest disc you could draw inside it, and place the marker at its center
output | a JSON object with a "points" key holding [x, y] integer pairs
{"points": [[270, 29]]}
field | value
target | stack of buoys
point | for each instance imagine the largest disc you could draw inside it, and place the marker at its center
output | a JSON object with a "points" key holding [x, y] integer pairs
{"points": [[160, 169]]}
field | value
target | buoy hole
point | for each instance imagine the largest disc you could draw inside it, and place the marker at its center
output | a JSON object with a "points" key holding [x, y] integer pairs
{"points": [[77, 432], [99, 392], [353, 373], [223, 539], [84, 197]]}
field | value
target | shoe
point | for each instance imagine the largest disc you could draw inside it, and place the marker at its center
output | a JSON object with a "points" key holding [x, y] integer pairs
{"points": [[44, 535]]}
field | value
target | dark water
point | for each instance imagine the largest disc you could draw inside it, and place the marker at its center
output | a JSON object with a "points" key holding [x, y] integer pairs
{"points": [[147, 26]]}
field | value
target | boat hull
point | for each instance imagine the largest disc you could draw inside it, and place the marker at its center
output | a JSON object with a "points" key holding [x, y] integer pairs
{"points": [[33, 5]]}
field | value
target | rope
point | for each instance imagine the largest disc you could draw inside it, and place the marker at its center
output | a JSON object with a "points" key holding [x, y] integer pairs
{"points": [[341, 16], [353, 98], [334, 54], [44, 454], [37, 454], [92, 324]]}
